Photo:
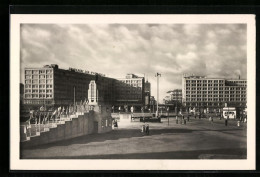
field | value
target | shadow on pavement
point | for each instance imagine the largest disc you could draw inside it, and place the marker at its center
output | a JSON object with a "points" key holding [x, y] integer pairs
{"points": [[235, 153], [113, 135]]}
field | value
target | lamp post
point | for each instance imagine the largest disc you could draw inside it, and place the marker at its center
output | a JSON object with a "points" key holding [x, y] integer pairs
{"points": [[157, 75]]}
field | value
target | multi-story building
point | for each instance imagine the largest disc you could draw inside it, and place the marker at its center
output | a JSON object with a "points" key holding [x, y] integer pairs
{"points": [[212, 93], [52, 86], [130, 91], [176, 95]]}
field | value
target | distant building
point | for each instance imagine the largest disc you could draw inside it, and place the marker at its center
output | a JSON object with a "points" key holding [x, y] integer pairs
{"points": [[130, 91], [212, 93], [176, 95]]}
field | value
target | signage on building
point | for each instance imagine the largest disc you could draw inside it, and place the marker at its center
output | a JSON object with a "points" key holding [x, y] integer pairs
{"points": [[86, 72]]}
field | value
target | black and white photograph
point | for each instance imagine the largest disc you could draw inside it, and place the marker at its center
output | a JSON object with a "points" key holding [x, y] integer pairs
{"points": [[137, 92]]}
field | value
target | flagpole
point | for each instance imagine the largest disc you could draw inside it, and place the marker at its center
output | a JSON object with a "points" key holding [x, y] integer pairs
{"points": [[157, 111]]}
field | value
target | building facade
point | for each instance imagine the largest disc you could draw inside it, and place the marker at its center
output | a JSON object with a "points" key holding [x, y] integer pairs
{"points": [[52, 86], [176, 95], [201, 92], [130, 91]]}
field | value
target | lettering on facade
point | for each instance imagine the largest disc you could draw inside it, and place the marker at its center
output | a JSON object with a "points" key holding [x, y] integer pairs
{"points": [[86, 72]]}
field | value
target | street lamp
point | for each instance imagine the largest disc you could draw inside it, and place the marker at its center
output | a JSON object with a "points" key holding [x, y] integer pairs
{"points": [[157, 75]]}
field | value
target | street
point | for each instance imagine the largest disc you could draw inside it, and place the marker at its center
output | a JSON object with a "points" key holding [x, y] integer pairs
{"points": [[198, 139]]}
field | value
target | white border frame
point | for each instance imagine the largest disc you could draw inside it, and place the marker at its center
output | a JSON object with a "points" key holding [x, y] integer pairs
{"points": [[22, 164]]}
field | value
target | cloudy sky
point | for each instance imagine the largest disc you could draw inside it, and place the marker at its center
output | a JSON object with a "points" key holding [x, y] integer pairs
{"points": [[214, 50]]}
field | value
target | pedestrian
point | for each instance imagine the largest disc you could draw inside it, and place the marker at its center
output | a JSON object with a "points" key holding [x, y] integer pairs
{"points": [[226, 122], [195, 117], [143, 129], [211, 120], [147, 131], [38, 117], [115, 124], [188, 118]]}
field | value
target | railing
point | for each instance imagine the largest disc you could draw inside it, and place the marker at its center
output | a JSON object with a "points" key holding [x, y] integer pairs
{"points": [[35, 129]]}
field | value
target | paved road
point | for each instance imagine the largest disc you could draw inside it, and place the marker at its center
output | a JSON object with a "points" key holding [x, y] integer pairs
{"points": [[198, 139]]}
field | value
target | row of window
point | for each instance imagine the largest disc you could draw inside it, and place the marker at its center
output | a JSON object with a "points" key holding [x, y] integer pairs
{"points": [[215, 99], [37, 86], [209, 104], [237, 96], [38, 96], [238, 82], [216, 92], [204, 81], [36, 91], [215, 81], [36, 81], [216, 88], [38, 76], [205, 85], [131, 81], [43, 71]]}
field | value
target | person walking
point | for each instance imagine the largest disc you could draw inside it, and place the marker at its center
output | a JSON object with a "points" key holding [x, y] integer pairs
{"points": [[211, 120], [147, 131], [143, 129], [116, 124]]}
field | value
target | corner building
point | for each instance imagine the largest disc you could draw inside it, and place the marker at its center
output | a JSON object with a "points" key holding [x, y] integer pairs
{"points": [[53, 86], [212, 93]]}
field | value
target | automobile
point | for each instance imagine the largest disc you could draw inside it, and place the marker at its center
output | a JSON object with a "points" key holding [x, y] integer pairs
{"points": [[163, 116]]}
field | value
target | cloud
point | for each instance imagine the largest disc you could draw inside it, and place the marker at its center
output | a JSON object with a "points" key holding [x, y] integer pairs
{"points": [[217, 50]]}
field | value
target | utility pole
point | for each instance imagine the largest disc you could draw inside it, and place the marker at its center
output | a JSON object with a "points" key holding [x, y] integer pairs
{"points": [[157, 75]]}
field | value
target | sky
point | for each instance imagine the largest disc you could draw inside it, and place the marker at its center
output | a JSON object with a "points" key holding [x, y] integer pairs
{"points": [[212, 50]]}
